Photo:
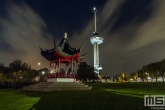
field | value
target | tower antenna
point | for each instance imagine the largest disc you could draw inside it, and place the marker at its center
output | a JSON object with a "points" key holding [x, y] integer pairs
{"points": [[95, 10]]}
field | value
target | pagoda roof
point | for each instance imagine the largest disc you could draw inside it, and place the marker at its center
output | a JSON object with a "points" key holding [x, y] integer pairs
{"points": [[63, 50]]}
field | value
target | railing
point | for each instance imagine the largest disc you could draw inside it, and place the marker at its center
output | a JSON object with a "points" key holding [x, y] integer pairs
{"points": [[61, 75]]}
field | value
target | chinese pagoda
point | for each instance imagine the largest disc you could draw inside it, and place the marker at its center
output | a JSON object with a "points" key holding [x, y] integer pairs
{"points": [[65, 54]]}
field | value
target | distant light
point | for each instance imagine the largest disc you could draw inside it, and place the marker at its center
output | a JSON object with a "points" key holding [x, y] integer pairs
{"points": [[131, 79], [94, 10], [20, 77], [100, 68], [138, 78], [43, 72], [149, 78], [39, 63], [146, 73]]}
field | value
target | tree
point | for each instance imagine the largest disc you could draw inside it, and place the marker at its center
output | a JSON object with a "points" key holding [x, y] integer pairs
{"points": [[82, 71], [21, 71], [153, 69], [86, 71], [133, 75], [92, 75], [116, 78], [123, 77], [162, 69], [2, 76], [2, 67], [141, 74]]}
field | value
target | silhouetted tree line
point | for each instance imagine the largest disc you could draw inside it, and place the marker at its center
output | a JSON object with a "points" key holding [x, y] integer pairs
{"points": [[17, 72], [152, 70]]}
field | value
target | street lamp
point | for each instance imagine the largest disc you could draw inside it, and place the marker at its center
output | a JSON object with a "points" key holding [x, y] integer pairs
{"points": [[39, 64], [43, 75], [43, 72]]}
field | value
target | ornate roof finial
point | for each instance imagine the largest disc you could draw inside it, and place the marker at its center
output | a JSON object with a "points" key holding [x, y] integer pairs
{"points": [[65, 35]]}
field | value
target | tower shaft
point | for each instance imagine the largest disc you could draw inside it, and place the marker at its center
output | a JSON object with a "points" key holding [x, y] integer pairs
{"points": [[96, 55]]}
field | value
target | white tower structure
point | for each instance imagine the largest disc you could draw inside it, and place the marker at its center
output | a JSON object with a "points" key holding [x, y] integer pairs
{"points": [[96, 40]]}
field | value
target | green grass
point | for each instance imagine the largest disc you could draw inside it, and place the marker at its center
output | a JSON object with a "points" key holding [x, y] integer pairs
{"points": [[103, 96]]}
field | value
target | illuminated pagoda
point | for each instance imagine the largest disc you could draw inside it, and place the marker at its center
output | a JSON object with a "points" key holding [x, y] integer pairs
{"points": [[65, 54]]}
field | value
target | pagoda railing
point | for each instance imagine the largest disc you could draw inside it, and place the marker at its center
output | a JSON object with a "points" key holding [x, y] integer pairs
{"points": [[61, 75]]}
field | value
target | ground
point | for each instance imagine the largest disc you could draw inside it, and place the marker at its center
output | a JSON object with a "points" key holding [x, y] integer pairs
{"points": [[103, 96]]}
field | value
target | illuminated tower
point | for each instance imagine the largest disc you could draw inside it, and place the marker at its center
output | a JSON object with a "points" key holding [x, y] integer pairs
{"points": [[96, 40]]}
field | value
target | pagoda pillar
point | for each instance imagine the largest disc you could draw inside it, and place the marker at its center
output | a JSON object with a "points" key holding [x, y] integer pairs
{"points": [[66, 71], [75, 68], [55, 67], [72, 67], [59, 65], [50, 66]]}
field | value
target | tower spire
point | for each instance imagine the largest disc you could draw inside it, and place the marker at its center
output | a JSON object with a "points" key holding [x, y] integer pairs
{"points": [[95, 10]]}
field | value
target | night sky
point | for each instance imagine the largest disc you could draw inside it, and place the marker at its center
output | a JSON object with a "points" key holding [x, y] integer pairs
{"points": [[133, 31]]}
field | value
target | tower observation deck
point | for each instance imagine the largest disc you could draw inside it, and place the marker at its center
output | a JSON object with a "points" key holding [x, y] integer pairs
{"points": [[96, 40]]}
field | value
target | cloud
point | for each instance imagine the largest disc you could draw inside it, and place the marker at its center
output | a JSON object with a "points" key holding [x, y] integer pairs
{"points": [[22, 31], [152, 30], [127, 45], [137, 43]]}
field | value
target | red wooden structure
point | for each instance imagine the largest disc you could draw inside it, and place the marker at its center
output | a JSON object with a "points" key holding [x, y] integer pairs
{"points": [[63, 53]]}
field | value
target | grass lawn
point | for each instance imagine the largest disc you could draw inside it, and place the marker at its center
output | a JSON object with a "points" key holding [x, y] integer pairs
{"points": [[103, 96]]}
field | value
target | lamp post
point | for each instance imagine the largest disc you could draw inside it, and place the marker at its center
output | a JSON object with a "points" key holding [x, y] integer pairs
{"points": [[39, 64], [43, 75]]}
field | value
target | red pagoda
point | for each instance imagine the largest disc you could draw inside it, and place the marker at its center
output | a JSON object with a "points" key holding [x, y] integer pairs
{"points": [[63, 53]]}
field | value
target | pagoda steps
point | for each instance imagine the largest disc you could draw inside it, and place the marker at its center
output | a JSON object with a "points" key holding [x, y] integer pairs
{"points": [[67, 89], [57, 86], [68, 86], [41, 84], [33, 88]]}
